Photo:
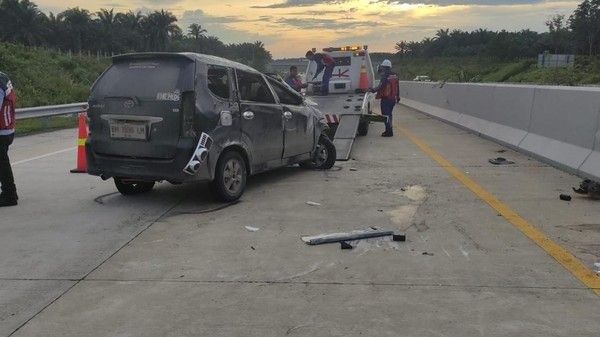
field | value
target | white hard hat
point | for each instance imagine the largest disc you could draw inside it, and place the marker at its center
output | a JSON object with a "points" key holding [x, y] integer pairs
{"points": [[386, 63]]}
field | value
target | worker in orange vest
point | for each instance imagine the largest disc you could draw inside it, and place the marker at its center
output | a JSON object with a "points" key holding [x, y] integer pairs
{"points": [[388, 92], [8, 197]]}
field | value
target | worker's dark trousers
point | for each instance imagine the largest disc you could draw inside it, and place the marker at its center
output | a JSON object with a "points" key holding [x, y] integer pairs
{"points": [[327, 74], [387, 106], [6, 175]]}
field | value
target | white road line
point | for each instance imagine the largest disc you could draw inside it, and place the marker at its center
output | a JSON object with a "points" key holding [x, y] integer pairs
{"points": [[44, 156]]}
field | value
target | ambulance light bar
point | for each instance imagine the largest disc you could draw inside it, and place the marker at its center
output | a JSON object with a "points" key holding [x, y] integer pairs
{"points": [[346, 48]]}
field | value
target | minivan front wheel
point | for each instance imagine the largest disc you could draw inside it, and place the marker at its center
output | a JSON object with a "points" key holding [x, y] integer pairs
{"points": [[230, 177], [324, 156], [131, 187]]}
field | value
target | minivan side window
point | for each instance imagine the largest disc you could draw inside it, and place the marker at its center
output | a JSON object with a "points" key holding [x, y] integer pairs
{"points": [[218, 81], [253, 88], [285, 94]]}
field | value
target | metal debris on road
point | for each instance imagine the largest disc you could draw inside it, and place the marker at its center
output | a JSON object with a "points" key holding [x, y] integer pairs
{"points": [[353, 169], [565, 197], [501, 161], [312, 203], [399, 237], [590, 188], [427, 254], [251, 229], [345, 245], [351, 236]]}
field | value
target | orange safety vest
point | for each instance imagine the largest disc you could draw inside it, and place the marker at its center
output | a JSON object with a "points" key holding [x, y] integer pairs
{"points": [[390, 90], [7, 110]]}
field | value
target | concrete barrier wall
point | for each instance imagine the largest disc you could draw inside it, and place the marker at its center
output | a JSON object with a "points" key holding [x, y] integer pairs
{"points": [[560, 125]]}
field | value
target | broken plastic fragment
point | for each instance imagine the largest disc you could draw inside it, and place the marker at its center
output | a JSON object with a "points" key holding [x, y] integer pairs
{"points": [[251, 229], [501, 161], [565, 197], [312, 203]]}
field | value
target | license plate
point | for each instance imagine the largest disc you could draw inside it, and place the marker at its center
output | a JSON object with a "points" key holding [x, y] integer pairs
{"points": [[128, 130]]}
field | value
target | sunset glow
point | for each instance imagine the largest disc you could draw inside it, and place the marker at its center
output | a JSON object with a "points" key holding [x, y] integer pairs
{"points": [[289, 27]]}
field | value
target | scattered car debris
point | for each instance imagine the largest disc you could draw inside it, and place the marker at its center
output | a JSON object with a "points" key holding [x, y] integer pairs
{"points": [[427, 253], [345, 245], [399, 237], [351, 236], [353, 169], [565, 197], [252, 247], [590, 188], [501, 161], [251, 229], [312, 203]]}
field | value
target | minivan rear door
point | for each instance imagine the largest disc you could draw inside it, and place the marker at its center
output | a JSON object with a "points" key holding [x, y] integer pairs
{"points": [[136, 105]]}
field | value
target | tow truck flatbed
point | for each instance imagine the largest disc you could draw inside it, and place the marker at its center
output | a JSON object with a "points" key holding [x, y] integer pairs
{"points": [[347, 108]]}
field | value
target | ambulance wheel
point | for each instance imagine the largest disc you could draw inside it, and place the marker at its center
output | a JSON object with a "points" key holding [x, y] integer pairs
{"points": [[363, 128], [132, 187], [324, 157], [230, 177]]}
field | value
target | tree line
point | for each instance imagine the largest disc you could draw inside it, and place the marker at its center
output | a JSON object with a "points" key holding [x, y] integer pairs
{"points": [[577, 34], [78, 30]]}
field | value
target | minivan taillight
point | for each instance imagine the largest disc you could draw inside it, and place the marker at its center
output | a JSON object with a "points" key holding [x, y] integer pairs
{"points": [[187, 114]]}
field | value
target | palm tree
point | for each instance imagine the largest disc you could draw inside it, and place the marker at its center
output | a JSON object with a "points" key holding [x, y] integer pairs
{"points": [[130, 30], [159, 27], [196, 31], [130, 20], [22, 22], [107, 21], [78, 23]]}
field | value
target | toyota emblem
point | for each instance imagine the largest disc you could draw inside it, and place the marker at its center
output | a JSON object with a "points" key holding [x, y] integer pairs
{"points": [[129, 104]]}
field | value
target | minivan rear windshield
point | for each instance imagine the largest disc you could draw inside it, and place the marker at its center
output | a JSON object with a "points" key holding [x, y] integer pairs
{"points": [[162, 79]]}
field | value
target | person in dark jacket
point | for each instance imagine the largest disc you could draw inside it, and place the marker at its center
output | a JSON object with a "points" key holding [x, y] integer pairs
{"points": [[8, 197], [325, 64], [388, 92]]}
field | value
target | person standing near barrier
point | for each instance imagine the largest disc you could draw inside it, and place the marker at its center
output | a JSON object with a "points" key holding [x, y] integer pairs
{"points": [[8, 197], [388, 92], [324, 63]]}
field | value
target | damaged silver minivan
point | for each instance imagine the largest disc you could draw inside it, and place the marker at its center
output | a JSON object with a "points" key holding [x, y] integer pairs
{"points": [[183, 117]]}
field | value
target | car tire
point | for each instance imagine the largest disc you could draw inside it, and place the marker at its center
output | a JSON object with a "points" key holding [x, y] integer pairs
{"points": [[363, 128], [324, 157], [230, 177], [131, 187]]}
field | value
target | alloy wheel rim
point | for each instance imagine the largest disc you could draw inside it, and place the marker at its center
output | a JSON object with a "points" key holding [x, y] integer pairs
{"points": [[322, 155], [233, 176]]}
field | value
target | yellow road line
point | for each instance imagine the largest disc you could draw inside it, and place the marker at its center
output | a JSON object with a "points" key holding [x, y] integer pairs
{"points": [[566, 259]]}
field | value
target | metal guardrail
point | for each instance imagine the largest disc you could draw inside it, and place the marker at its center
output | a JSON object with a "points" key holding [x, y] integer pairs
{"points": [[51, 110]]}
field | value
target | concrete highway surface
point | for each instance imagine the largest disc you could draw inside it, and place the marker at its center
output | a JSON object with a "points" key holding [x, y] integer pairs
{"points": [[490, 250]]}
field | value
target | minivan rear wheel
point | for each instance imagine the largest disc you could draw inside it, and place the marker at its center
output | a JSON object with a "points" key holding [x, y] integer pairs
{"points": [[230, 177], [132, 187]]}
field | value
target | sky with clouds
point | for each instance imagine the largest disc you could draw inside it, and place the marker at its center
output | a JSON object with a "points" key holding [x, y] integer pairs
{"points": [[290, 27]]}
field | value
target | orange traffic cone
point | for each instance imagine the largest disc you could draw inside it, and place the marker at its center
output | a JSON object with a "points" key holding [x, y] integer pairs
{"points": [[81, 160], [363, 81]]}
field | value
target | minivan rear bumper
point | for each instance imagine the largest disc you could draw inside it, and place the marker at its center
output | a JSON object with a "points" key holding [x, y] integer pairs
{"points": [[148, 169]]}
